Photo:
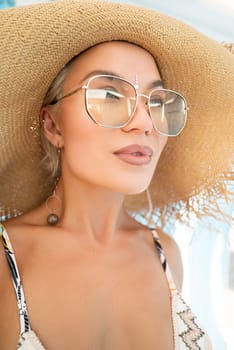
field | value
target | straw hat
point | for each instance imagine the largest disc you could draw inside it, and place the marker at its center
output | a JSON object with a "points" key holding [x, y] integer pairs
{"points": [[37, 40]]}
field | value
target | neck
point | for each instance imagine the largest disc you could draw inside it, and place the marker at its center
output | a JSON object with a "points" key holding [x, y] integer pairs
{"points": [[97, 213]]}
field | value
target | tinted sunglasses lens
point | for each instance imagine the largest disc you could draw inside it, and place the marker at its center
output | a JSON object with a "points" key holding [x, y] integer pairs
{"points": [[168, 111], [110, 101]]}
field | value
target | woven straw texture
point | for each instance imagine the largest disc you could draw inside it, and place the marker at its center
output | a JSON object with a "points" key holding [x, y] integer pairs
{"points": [[37, 40]]}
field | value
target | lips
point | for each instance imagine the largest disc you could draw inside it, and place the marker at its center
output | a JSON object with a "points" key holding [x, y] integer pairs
{"points": [[135, 154], [136, 150]]}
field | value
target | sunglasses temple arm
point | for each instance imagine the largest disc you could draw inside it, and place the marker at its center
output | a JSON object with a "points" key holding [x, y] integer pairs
{"points": [[67, 95]]}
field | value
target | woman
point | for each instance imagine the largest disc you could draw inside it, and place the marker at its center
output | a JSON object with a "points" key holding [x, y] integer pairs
{"points": [[86, 274]]}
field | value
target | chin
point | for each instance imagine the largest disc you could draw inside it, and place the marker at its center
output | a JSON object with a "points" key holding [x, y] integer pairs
{"points": [[137, 189]]}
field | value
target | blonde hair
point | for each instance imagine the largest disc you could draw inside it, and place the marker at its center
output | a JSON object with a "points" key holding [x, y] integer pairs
{"points": [[51, 159]]}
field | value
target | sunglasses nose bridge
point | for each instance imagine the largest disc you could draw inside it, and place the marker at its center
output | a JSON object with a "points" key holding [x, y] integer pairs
{"points": [[143, 95], [147, 98], [144, 105]]}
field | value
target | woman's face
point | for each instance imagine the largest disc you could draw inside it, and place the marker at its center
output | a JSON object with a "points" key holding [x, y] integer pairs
{"points": [[107, 157]]}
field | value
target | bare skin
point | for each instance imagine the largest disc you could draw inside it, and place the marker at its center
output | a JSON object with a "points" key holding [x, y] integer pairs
{"points": [[93, 282]]}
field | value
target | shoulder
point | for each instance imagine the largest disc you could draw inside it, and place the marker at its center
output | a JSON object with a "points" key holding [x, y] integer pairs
{"points": [[9, 324], [20, 238], [171, 250], [173, 256]]}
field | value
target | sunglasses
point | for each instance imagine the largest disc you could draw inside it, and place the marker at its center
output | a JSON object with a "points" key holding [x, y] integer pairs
{"points": [[111, 102]]}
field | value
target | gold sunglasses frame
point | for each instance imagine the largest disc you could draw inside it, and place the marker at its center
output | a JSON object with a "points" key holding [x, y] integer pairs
{"points": [[137, 94]]}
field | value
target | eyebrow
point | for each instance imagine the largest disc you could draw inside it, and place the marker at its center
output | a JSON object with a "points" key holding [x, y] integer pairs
{"points": [[155, 84], [151, 85]]}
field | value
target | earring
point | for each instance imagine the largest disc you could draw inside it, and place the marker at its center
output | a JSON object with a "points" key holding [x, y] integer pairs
{"points": [[58, 160], [52, 218]]}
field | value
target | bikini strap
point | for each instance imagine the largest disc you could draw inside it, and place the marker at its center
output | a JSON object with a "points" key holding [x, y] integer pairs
{"points": [[164, 263], [21, 303]]}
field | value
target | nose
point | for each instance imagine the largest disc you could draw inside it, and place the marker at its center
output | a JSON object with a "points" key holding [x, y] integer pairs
{"points": [[141, 121]]}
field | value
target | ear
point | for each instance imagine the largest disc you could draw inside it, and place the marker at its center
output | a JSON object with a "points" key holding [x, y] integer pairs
{"points": [[50, 127]]}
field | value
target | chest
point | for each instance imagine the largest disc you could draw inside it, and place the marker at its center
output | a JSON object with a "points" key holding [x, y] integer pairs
{"points": [[100, 301], [79, 299]]}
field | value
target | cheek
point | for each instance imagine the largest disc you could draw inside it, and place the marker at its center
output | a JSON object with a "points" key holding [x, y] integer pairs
{"points": [[88, 155], [162, 141], [158, 142], [85, 150]]}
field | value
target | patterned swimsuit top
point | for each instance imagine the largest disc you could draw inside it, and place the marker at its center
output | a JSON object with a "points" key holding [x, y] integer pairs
{"points": [[187, 333]]}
